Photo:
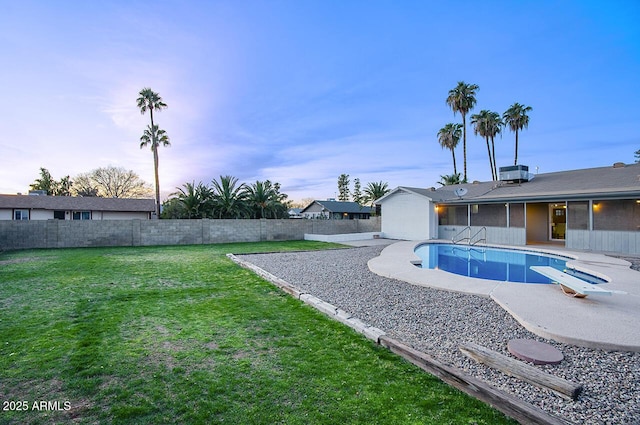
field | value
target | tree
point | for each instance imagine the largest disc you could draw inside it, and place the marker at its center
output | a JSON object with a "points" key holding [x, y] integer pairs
{"points": [[494, 126], [264, 200], [64, 186], [357, 192], [52, 187], [448, 180], [45, 182], [343, 187], [488, 124], [462, 99], [228, 198], [153, 136], [303, 203], [111, 182], [171, 208], [637, 155], [516, 119], [449, 137], [84, 186], [191, 198], [374, 191]]}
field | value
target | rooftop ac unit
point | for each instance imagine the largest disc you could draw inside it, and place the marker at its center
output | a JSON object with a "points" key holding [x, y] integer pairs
{"points": [[515, 173]]}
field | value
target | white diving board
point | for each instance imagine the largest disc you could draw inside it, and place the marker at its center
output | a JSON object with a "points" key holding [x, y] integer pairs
{"points": [[570, 285]]}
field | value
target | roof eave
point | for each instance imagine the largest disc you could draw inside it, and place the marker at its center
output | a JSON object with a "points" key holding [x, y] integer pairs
{"points": [[549, 197]]}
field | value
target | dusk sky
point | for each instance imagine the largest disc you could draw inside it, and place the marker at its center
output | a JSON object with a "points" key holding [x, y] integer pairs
{"points": [[301, 91]]}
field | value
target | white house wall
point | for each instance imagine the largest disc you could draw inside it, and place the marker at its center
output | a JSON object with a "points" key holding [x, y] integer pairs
{"points": [[407, 216], [6, 214], [41, 215], [116, 215]]}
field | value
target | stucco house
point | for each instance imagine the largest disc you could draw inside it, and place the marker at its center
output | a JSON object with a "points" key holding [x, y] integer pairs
{"points": [[43, 207], [591, 209], [336, 210]]}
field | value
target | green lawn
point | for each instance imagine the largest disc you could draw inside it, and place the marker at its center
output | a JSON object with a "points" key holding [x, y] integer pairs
{"points": [[183, 335]]}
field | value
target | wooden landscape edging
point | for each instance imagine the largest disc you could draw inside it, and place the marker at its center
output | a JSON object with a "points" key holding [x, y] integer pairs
{"points": [[564, 388], [511, 406]]}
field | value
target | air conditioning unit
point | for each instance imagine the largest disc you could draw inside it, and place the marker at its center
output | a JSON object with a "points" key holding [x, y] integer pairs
{"points": [[515, 173]]}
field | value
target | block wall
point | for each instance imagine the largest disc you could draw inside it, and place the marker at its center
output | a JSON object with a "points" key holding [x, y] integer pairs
{"points": [[93, 233]]}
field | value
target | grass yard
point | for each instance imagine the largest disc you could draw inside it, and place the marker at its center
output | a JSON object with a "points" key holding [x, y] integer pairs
{"points": [[180, 334]]}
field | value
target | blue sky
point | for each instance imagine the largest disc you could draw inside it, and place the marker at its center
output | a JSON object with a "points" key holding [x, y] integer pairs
{"points": [[301, 91]]}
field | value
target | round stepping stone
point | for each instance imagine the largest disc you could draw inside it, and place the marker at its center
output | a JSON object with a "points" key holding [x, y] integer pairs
{"points": [[535, 352]]}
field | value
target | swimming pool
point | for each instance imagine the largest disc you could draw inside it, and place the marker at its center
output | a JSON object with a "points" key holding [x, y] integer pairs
{"points": [[493, 263]]}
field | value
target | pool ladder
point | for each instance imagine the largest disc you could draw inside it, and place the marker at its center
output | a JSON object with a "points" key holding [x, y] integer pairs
{"points": [[470, 239]]}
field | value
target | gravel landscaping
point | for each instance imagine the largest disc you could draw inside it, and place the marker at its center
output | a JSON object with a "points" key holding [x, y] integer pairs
{"points": [[438, 322]]}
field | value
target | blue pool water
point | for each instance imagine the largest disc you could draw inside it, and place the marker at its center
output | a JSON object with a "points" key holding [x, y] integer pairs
{"points": [[490, 263]]}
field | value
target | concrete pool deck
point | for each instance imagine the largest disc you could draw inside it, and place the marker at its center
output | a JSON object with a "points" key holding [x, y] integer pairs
{"points": [[606, 322]]}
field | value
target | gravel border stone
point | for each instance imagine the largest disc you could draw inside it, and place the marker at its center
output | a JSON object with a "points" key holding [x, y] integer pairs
{"points": [[438, 322]]}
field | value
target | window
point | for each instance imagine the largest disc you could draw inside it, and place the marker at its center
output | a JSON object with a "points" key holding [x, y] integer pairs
{"points": [[21, 214], [452, 215], [82, 215], [516, 215], [489, 215], [58, 215], [578, 215], [623, 214]]}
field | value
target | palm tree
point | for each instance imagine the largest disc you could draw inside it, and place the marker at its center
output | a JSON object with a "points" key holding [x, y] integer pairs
{"points": [[154, 136], [191, 198], [450, 179], [462, 99], [481, 126], [228, 199], [264, 200], [494, 127], [516, 118], [150, 100], [449, 137], [375, 191]]}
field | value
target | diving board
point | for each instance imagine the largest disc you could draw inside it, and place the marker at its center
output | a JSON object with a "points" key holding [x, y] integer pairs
{"points": [[570, 285]]}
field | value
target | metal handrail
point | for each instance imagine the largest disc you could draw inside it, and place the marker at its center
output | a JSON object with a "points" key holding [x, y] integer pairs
{"points": [[482, 229], [453, 239]]}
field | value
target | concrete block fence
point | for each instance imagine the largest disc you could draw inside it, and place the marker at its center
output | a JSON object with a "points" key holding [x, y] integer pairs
{"points": [[95, 233]]}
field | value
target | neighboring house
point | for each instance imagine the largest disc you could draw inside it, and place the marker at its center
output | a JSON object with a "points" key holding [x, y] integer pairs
{"points": [[295, 212], [592, 209], [42, 207], [336, 210]]}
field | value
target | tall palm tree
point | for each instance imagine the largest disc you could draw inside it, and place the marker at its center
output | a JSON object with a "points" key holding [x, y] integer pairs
{"points": [[494, 127], [154, 137], [481, 126], [462, 99], [449, 137], [229, 198], [517, 119], [150, 100]]}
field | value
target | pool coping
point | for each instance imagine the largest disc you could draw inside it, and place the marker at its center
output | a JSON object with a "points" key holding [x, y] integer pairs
{"points": [[597, 322]]}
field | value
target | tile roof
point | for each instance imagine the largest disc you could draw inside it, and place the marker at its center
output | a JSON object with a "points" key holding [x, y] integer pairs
{"points": [[76, 203]]}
